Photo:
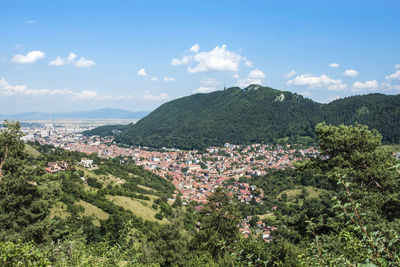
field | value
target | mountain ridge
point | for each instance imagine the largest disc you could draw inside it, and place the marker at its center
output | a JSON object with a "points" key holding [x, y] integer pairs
{"points": [[255, 114]]}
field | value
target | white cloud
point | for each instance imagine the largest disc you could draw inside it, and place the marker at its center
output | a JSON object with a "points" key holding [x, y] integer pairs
{"points": [[393, 76], [210, 82], [359, 86], [184, 61], [290, 74], [30, 22], [317, 81], [256, 74], [169, 79], [161, 96], [254, 77], [6, 89], [247, 81], [195, 48], [84, 63], [236, 76], [70, 59], [29, 58], [218, 59], [397, 66], [248, 63], [154, 79], [337, 87], [141, 72], [87, 95], [204, 89], [306, 93], [63, 61], [350, 73], [334, 65]]}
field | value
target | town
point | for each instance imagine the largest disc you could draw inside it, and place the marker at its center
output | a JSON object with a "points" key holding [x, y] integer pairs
{"points": [[195, 174]]}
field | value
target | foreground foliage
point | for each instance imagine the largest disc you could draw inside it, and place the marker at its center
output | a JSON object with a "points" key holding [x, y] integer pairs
{"points": [[338, 209]]}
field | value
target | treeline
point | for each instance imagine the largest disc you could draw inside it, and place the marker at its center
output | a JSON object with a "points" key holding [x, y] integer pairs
{"points": [[254, 115], [338, 209]]}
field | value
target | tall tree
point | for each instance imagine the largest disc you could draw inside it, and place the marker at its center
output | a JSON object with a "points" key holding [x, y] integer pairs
{"points": [[24, 195], [367, 192], [218, 224]]}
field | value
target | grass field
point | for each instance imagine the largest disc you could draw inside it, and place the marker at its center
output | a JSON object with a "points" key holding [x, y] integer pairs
{"points": [[293, 193], [93, 211], [60, 210], [105, 180], [140, 208], [31, 151], [267, 215]]}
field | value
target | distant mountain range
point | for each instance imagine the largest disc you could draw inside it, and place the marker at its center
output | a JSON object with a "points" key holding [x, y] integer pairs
{"points": [[105, 113], [255, 114]]}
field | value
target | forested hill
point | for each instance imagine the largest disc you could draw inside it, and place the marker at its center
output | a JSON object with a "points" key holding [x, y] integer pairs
{"points": [[255, 114]]}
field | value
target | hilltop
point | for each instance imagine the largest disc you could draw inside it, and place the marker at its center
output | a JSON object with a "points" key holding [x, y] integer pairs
{"points": [[255, 114]]}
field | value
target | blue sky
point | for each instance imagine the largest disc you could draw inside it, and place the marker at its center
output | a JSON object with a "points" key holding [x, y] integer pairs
{"points": [[79, 55]]}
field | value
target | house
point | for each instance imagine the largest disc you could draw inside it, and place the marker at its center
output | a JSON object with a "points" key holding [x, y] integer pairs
{"points": [[52, 167], [64, 165], [87, 163]]}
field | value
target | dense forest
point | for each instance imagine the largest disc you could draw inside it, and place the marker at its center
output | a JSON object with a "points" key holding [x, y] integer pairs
{"points": [[338, 209], [255, 114]]}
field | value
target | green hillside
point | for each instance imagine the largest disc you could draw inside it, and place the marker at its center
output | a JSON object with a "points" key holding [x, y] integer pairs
{"points": [[95, 195], [254, 114], [342, 205]]}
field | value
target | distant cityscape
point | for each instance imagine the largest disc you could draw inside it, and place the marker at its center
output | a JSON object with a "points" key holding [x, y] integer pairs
{"points": [[194, 174]]}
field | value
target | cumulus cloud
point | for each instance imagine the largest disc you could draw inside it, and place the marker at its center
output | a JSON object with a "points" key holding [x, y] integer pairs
{"points": [[393, 76], [195, 48], [84, 63], [350, 73], [70, 59], [6, 89], [256, 74], [247, 81], [63, 61], [142, 72], [162, 96], [290, 74], [204, 89], [154, 79], [183, 61], [397, 66], [210, 82], [367, 85], [254, 77], [317, 81], [29, 58], [218, 59], [169, 79], [334, 65]]}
